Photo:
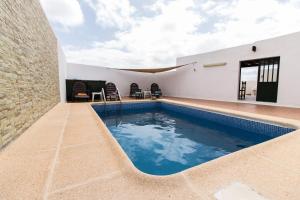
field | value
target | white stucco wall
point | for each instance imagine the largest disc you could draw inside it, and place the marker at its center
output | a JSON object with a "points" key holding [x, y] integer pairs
{"points": [[62, 69], [122, 79], [195, 81], [221, 83]]}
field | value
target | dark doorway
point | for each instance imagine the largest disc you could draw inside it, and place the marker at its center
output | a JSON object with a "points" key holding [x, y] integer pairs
{"points": [[267, 77]]}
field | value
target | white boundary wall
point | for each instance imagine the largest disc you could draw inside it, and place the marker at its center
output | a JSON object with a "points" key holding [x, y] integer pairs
{"points": [[62, 70], [195, 81], [221, 83], [121, 78]]}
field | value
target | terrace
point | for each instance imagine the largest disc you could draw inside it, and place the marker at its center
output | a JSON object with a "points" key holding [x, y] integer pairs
{"points": [[64, 157], [204, 130]]}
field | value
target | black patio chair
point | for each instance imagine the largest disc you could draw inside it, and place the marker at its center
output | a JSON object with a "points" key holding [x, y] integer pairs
{"points": [[111, 92], [135, 91], [155, 90], [79, 91]]}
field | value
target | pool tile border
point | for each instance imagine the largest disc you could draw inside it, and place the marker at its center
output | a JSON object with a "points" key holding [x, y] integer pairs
{"points": [[256, 126], [132, 169]]}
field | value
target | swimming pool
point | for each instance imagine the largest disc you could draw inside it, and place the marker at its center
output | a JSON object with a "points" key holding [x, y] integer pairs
{"points": [[162, 138]]}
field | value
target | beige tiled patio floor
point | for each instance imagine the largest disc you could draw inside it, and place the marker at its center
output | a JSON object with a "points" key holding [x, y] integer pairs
{"points": [[291, 113], [67, 154]]}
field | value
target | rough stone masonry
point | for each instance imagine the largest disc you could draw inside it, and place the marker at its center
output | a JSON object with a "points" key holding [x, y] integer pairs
{"points": [[29, 83]]}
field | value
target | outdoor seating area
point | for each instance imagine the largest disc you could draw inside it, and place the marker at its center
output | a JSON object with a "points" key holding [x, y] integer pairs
{"points": [[79, 90], [84, 91], [110, 92], [137, 93]]}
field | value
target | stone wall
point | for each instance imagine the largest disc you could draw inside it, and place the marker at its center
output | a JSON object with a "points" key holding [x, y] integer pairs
{"points": [[29, 83]]}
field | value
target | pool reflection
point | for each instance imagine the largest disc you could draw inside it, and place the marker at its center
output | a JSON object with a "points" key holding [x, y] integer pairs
{"points": [[161, 142]]}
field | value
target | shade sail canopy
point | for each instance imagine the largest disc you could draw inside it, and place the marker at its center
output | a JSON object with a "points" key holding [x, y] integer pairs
{"points": [[155, 70]]}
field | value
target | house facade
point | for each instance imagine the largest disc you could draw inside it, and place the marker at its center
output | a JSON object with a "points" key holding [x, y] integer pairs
{"points": [[218, 75]]}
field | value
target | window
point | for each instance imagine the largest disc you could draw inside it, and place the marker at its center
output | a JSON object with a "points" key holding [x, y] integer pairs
{"points": [[269, 70]]}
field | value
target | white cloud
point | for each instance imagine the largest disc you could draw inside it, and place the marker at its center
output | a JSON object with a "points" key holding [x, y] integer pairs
{"points": [[178, 28], [112, 13], [151, 41], [67, 13], [251, 20]]}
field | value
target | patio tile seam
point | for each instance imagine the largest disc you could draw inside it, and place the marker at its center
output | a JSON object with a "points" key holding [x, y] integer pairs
{"points": [[87, 182], [49, 179], [266, 191], [285, 168], [192, 188], [256, 153]]}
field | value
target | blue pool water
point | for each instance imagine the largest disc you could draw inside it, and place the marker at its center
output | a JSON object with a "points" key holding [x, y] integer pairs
{"points": [[162, 139]]}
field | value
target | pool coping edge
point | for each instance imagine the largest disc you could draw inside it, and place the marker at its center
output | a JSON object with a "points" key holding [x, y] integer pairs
{"points": [[129, 164]]}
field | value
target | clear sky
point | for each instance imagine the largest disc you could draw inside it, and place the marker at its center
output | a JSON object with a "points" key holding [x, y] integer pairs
{"points": [[152, 33]]}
